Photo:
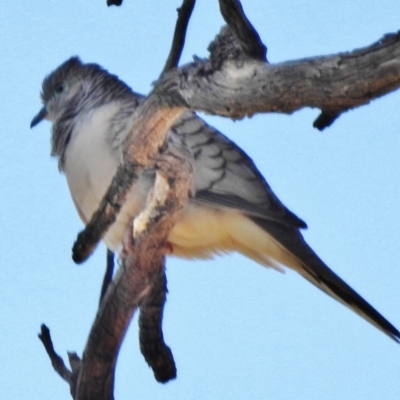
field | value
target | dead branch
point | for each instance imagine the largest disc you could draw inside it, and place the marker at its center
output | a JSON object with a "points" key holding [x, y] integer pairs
{"points": [[142, 264], [114, 2], [236, 81], [56, 361], [248, 38], [178, 41], [108, 275], [241, 87], [157, 354], [141, 278]]}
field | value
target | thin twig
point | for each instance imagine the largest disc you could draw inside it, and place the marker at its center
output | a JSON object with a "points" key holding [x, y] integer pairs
{"points": [[56, 361], [178, 41], [114, 2], [108, 275]]}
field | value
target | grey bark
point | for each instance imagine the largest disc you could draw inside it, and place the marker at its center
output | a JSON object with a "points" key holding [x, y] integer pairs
{"points": [[233, 85]]}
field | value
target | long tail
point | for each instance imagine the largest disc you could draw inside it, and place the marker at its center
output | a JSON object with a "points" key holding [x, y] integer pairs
{"points": [[311, 267]]}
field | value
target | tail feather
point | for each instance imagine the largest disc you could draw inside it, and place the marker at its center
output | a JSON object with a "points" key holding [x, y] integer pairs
{"points": [[311, 267]]}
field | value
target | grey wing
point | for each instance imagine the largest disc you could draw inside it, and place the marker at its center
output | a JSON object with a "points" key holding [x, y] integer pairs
{"points": [[226, 177]]}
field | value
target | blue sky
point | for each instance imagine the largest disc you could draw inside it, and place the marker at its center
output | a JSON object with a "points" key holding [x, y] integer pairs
{"points": [[237, 330]]}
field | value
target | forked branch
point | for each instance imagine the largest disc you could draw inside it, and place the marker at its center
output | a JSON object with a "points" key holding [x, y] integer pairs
{"points": [[232, 85]]}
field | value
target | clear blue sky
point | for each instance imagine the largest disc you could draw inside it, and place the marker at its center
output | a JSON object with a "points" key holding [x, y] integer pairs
{"points": [[237, 330]]}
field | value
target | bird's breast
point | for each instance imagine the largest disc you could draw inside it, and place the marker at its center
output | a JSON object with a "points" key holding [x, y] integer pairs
{"points": [[90, 165]]}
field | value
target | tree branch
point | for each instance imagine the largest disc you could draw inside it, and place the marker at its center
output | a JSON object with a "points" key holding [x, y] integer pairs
{"points": [[157, 354], [56, 361], [325, 119], [114, 2], [334, 83], [248, 38], [108, 275], [178, 41], [142, 266]]}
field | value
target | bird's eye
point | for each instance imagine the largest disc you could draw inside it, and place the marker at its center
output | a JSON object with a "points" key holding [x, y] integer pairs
{"points": [[59, 88]]}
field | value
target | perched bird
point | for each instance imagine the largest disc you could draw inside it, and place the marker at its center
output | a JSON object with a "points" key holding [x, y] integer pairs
{"points": [[233, 208]]}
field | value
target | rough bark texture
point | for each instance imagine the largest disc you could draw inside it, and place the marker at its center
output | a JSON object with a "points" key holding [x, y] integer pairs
{"points": [[157, 354], [137, 279], [236, 86]]}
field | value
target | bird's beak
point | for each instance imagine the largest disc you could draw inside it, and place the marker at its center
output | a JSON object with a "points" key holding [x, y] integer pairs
{"points": [[39, 116]]}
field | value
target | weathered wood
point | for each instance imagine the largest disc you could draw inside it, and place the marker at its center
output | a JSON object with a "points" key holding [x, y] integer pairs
{"points": [[178, 41], [56, 361], [142, 263], [244, 87], [108, 274], [156, 353]]}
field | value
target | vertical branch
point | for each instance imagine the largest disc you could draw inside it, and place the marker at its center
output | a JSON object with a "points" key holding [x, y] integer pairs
{"points": [[184, 13], [157, 354], [108, 275], [145, 246]]}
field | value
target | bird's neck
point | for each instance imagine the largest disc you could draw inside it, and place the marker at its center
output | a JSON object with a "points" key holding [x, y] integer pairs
{"points": [[74, 117]]}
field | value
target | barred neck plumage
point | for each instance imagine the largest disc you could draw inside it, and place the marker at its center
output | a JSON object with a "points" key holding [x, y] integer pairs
{"points": [[85, 88]]}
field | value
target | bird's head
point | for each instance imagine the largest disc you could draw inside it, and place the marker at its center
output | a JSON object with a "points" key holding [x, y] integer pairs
{"points": [[74, 88], [62, 88]]}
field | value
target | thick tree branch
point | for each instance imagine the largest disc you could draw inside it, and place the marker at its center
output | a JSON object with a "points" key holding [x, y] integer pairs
{"points": [[334, 83], [142, 264]]}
